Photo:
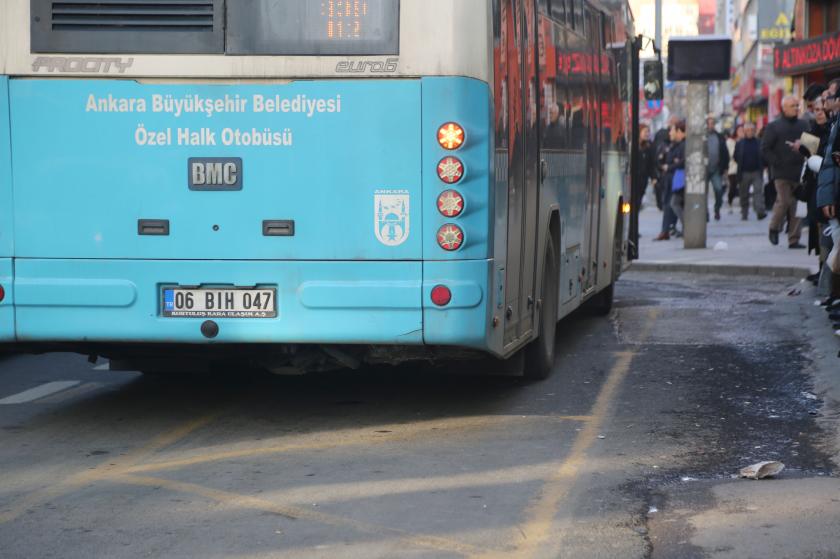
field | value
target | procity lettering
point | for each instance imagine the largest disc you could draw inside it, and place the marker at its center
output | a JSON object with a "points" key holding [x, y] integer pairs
{"points": [[81, 64]]}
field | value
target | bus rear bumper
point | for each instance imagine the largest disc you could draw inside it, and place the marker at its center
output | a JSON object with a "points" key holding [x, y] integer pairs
{"points": [[318, 302]]}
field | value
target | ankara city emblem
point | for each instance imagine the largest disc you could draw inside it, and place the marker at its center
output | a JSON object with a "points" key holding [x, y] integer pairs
{"points": [[391, 216]]}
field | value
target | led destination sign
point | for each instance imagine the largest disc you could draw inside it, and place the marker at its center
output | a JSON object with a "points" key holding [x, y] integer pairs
{"points": [[321, 27]]}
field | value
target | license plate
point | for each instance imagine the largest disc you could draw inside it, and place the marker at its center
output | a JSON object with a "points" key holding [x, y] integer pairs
{"points": [[180, 302]]}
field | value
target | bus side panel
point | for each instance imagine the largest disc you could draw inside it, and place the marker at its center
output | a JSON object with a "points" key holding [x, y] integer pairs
{"points": [[7, 321], [613, 182], [6, 215], [467, 272]]}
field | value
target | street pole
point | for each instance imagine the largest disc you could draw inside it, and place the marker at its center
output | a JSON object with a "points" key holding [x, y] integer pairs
{"points": [[658, 33], [696, 205], [659, 120], [636, 189]]}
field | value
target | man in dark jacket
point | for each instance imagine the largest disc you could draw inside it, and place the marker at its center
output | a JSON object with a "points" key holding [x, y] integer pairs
{"points": [[780, 149], [718, 161], [748, 157]]}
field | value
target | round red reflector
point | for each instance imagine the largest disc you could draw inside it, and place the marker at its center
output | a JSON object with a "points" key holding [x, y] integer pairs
{"points": [[450, 203], [450, 237], [450, 170], [2, 293], [441, 295], [451, 136]]}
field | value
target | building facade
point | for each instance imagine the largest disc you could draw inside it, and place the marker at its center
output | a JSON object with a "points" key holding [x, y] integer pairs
{"points": [[757, 27]]}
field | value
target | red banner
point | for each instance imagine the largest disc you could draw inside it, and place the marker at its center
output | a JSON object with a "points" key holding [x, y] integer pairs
{"points": [[801, 56]]}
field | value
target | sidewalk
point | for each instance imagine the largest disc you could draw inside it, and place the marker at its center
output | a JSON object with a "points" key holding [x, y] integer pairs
{"points": [[747, 248]]}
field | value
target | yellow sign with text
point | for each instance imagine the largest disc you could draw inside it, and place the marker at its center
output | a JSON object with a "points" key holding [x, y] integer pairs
{"points": [[780, 31]]}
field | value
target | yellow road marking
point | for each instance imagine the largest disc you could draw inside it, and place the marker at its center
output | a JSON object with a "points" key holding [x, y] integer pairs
{"points": [[360, 490], [536, 531], [301, 513], [373, 434], [104, 469]]}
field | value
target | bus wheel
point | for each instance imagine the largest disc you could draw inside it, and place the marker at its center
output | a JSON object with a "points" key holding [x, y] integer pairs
{"points": [[539, 354]]}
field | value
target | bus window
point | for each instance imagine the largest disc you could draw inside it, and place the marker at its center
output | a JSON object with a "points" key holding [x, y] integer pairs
{"points": [[558, 10], [579, 20], [330, 27], [555, 100]]}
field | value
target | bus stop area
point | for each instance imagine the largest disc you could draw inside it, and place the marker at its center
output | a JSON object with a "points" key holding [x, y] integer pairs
{"points": [[369, 280], [632, 448]]}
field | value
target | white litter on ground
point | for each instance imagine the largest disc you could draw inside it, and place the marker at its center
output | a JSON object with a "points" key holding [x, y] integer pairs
{"points": [[721, 245], [762, 470]]}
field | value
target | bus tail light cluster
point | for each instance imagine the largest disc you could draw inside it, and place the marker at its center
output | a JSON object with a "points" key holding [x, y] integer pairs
{"points": [[450, 203]]}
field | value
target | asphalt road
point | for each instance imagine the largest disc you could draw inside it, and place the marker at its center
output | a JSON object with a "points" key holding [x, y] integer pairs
{"points": [[626, 451]]}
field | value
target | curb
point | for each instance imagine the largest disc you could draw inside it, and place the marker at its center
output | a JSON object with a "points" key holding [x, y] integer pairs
{"points": [[723, 269]]}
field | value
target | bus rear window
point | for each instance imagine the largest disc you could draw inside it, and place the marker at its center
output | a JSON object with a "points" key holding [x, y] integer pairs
{"points": [[319, 27]]}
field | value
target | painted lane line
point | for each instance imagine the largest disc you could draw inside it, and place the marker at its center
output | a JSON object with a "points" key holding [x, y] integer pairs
{"points": [[539, 530], [248, 502], [105, 470], [39, 392], [72, 393], [383, 434]]}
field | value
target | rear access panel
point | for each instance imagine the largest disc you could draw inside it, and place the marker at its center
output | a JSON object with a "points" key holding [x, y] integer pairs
{"points": [[121, 169]]}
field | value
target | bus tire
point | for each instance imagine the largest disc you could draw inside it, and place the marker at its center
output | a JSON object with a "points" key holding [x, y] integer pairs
{"points": [[540, 353]]}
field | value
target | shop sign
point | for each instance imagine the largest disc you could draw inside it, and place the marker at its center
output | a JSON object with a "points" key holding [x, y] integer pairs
{"points": [[773, 21], [802, 56]]}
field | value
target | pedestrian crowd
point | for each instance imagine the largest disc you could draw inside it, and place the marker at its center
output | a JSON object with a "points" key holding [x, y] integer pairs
{"points": [[791, 167]]}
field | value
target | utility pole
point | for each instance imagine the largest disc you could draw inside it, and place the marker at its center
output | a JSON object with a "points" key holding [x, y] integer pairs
{"points": [[657, 39], [696, 195], [658, 33]]}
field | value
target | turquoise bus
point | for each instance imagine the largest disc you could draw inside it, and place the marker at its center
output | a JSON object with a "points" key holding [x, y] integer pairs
{"points": [[303, 185]]}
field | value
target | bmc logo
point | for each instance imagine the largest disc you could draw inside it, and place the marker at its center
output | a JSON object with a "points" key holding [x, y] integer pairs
{"points": [[215, 173]]}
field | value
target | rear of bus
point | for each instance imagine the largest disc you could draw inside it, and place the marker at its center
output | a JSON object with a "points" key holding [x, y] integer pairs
{"points": [[246, 172]]}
